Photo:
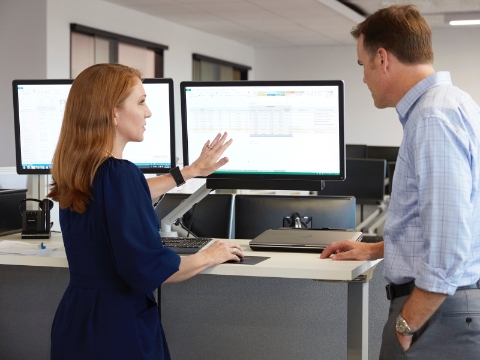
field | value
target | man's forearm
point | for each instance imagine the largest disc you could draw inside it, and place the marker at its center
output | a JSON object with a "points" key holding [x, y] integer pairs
{"points": [[420, 306]]}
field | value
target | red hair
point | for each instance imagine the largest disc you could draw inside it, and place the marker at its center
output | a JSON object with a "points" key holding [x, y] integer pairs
{"points": [[88, 131]]}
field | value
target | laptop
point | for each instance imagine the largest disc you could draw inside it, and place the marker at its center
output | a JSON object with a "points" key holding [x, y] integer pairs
{"points": [[299, 239]]}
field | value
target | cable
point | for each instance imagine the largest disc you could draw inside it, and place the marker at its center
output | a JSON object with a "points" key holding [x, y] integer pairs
{"points": [[158, 201], [188, 218], [191, 220], [180, 223]]}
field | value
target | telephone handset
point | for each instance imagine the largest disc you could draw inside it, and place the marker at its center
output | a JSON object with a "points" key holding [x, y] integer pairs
{"points": [[36, 223]]}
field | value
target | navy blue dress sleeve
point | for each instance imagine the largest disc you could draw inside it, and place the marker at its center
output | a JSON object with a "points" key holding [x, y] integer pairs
{"points": [[132, 224]]}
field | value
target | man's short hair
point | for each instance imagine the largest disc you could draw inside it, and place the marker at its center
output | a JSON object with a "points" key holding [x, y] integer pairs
{"points": [[400, 29]]}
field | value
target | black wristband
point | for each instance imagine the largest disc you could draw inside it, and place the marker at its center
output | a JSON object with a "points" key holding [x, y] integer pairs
{"points": [[177, 176]]}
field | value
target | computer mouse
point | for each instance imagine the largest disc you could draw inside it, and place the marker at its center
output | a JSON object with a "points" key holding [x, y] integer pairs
{"points": [[235, 261]]}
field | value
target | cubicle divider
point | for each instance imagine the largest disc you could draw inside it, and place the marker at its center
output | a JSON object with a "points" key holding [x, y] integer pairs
{"points": [[256, 213], [354, 151], [388, 153], [366, 181], [211, 217], [246, 216]]}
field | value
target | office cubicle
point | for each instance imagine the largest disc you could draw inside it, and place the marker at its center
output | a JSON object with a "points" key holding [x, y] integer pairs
{"points": [[365, 181], [388, 153], [256, 213], [354, 151], [211, 217]]}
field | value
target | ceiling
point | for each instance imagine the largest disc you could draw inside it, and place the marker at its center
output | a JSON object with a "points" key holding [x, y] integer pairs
{"points": [[269, 23]]}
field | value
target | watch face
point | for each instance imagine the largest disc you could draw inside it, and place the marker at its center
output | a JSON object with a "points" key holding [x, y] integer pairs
{"points": [[401, 326]]}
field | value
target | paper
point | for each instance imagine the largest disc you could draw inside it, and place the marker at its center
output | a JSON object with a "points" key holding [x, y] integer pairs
{"points": [[24, 248]]}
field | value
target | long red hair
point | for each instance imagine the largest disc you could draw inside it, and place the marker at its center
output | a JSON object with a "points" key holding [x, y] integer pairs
{"points": [[88, 131]]}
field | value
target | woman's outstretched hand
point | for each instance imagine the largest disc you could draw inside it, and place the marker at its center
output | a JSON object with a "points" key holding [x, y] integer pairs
{"points": [[209, 159]]}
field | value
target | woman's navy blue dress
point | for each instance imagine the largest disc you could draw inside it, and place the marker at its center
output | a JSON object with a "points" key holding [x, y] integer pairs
{"points": [[116, 261]]}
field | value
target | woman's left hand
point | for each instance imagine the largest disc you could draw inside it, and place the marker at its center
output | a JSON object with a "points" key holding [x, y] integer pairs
{"points": [[209, 159]]}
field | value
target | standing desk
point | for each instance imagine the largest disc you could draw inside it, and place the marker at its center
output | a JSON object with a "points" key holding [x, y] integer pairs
{"points": [[279, 265]]}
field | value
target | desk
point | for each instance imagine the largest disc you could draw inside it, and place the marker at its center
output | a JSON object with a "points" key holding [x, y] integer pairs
{"points": [[280, 265]]}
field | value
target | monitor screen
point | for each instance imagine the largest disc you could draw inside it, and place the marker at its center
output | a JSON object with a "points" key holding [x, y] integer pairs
{"points": [[283, 131], [38, 115]]}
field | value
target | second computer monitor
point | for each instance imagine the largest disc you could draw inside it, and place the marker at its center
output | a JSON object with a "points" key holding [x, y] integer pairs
{"points": [[290, 131], [38, 114]]}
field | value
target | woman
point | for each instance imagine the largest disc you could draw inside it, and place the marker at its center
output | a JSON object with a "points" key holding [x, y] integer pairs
{"points": [[109, 227]]}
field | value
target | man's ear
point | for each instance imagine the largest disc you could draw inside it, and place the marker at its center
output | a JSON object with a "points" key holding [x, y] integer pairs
{"points": [[383, 58]]}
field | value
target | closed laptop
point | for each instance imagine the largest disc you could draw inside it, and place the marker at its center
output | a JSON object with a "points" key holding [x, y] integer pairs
{"points": [[304, 240]]}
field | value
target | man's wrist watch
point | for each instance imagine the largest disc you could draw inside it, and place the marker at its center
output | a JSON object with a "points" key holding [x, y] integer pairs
{"points": [[177, 176], [402, 326]]}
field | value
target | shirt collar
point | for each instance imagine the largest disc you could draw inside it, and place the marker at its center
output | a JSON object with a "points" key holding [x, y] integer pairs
{"points": [[405, 104]]}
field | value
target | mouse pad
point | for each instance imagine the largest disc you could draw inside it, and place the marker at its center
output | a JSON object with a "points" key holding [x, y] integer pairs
{"points": [[249, 260]]}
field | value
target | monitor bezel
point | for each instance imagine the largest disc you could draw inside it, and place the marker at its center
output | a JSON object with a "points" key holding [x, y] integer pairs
{"points": [[269, 179], [16, 113], [16, 118], [173, 157]]}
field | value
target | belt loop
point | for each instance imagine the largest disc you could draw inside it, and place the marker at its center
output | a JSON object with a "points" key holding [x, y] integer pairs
{"points": [[389, 291]]}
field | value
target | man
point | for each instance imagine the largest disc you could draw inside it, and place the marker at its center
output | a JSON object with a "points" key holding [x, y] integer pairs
{"points": [[431, 245]]}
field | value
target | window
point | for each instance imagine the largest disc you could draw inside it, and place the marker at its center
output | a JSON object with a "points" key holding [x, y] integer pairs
{"points": [[210, 69], [91, 46]]}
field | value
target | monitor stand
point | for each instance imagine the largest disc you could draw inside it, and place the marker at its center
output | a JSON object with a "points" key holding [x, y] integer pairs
{"points": [[167, 222]]}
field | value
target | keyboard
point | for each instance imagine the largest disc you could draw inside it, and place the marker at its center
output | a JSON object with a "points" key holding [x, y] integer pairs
{"points": [[186, 245]]}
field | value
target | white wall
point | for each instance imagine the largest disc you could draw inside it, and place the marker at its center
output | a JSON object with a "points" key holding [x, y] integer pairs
{"points": [[22, 55], [456, 50], [182, 41], [35, 43]]}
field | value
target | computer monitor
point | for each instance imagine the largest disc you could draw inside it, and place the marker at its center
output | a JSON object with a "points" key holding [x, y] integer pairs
{"points": [[286, 134], [38, 114], [365, 181], [389, 153], [356, 151]]}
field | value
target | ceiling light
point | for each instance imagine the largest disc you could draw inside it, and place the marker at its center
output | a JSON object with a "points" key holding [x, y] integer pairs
{"points": [[466, 18], [465, 22]]}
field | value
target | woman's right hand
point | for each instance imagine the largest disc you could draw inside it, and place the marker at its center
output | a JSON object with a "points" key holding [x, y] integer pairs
{"points": [[209, 159], [221, 251], [217, 253]]}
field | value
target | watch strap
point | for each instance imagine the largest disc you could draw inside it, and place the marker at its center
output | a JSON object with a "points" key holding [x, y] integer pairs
{"points": [[177, 176]]}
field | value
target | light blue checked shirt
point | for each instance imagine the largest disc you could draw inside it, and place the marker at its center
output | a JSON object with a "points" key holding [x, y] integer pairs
{"points": [[432, 232]]}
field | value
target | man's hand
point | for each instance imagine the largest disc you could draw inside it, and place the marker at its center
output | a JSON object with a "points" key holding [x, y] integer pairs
{"points": [[405, 341], [353, 250]]}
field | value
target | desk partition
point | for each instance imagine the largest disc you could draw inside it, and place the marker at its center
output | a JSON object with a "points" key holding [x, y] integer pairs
{"points": [[365, 181], [256, 213], [211, 217], [354, 151]]}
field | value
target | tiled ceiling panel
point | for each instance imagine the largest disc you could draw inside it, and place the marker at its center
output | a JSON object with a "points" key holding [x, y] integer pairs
{"points": [[262, 23]]}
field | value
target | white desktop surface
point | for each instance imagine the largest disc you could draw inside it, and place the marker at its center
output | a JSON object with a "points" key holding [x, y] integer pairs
{"points": [[280, 264], [55, 258]]}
